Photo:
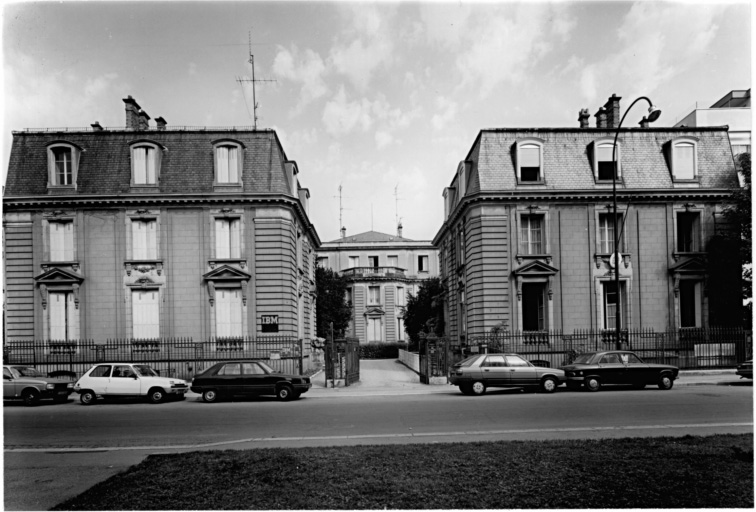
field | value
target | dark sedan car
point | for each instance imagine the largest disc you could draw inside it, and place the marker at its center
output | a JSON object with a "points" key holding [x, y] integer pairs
{"points": [[596, 369], [745, 369], [247, 378], [477, 373]]}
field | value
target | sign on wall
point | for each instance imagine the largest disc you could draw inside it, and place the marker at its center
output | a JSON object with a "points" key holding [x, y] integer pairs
{"points": [[269, 323]]}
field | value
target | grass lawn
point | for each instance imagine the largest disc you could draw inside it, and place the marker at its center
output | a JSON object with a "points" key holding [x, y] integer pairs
{"points": [[662, 472]]}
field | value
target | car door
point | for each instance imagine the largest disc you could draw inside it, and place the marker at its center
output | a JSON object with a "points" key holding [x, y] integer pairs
{"points": [[124, 381], [521, 372], [254, 379], [9, 384], [98, 379], [229, 379], [636, 371], [494, 370], [611, 369]]}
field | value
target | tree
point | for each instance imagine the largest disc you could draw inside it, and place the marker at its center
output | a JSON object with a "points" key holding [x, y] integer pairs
{"points": [[332, 305], [424, 312], [739, 214]]}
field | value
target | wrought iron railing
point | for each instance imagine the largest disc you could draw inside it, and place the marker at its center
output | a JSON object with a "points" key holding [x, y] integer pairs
{"points": [[373, 271]]}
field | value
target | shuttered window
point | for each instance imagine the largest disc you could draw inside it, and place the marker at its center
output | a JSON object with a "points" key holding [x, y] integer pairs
{"points": [[62, 316], [144, 165], [531, 234], [228, 313], [61, 241], [227, 238], [227, 164], [683, 161], [146, 313], [144, 239]]}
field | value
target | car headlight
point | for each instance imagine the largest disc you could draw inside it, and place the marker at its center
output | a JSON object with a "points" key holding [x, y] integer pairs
{"points": [[50, 386], [70, 385], [171, 382]]}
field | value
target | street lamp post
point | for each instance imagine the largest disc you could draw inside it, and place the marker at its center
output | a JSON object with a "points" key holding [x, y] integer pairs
{"points": [[653, 115]]}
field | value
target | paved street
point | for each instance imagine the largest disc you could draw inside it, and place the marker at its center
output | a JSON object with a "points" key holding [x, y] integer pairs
{"points": [[53, 452]]}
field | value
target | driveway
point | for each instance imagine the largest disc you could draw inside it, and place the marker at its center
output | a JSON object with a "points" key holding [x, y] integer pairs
{"points": [[379, 373]]}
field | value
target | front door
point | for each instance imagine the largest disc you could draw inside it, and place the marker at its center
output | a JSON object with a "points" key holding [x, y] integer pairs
{"points": [[612, 369], [521, 373], [123, 381], [495, 371], [374, 329]]}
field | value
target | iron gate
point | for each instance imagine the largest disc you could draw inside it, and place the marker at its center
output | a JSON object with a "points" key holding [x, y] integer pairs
{"points": [[342, 358]]}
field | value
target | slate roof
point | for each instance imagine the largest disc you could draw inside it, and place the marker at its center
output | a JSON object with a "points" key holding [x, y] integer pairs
{"points": [[567, 158], [369, 237], [105, 162]]}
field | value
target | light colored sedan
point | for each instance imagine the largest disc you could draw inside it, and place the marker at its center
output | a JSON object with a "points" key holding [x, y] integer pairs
{"points": [[127, 380], [477, 373]]}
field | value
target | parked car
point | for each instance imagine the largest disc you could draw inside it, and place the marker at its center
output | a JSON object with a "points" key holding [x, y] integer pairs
{"points": [[127, 380], [250, 378], [745, 369], [596, 369], [477, 373], [31, 385]]}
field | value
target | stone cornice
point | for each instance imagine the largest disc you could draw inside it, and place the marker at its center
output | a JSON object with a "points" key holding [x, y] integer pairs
{"points": [[560, 197]]}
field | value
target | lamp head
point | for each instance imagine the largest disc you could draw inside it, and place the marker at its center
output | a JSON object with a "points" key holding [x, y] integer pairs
{"points": [[653, 114]]}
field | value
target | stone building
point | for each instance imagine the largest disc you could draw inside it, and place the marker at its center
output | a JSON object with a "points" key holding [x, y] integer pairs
{"points": [[382, 271], [527, 242], [155, 232]]}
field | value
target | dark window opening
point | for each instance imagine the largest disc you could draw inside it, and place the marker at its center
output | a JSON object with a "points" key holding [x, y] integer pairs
{"points": [[606, 170], [533, 307], [530, 174]]}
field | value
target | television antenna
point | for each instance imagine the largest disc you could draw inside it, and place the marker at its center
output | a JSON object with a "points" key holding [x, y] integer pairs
{"points": [[341, 209], [254, 80], [396, 202]]}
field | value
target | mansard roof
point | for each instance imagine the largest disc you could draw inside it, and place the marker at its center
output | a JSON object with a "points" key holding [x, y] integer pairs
{"points": [[369, 237], [567, 159], [105, 161]]}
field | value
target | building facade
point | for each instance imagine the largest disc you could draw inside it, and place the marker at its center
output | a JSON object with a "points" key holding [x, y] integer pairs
{"points": [[528, 239], [382, 271], [148, 232]]}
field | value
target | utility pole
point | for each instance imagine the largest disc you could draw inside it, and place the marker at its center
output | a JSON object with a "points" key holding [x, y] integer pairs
{"points": [[242, 81]]}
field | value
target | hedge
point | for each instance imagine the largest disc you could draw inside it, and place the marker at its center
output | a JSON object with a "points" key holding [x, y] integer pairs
{"points": [[381, 350]]}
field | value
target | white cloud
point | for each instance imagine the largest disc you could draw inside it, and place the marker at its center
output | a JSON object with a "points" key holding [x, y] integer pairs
{"points": [[192, 68], [306, 68], [341, 116], [658, 41], [447, 110], [383, 139]]}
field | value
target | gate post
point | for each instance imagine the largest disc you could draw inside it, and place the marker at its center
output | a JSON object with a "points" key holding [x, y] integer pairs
{"points": [[301, 356]]}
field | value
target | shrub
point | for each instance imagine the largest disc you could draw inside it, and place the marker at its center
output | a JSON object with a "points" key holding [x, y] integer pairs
{"points": [[381, 350]]}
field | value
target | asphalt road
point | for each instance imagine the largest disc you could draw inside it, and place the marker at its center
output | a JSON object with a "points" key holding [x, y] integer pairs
{"points": [[53, 452]]}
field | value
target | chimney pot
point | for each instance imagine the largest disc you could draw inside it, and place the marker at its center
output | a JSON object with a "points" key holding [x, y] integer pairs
{"points": [[399, 230], [144, 120], [132, 113], [613, 113], [96, 126], [600, 118], [160, 123], [584, 117]]}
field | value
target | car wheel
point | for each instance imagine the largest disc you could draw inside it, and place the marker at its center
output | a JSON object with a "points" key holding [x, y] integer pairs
{"points": [[284, 393], [592, 384], [87, 397], [573, 385], [549, 385], [639, 385], [210, 396], [30, 396], [666, 382], [478, 388], [156, 395]]}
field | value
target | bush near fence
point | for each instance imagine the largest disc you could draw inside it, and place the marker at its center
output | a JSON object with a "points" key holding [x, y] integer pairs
{"points": [[380, 350]]}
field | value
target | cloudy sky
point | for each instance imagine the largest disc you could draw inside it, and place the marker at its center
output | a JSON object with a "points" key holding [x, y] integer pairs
{"points": [[383, 99]]}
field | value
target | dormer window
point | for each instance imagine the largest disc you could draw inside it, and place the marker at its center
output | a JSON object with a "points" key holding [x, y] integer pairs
{"points": [[63, 163], [228, 163], [684, 159], [604, 164], [145, 164], [529, 161]]}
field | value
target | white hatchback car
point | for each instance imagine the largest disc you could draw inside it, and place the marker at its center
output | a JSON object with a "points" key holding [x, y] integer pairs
{"points": [[127, 380]]}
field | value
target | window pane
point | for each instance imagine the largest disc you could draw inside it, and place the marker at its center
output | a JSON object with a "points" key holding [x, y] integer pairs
{"points": [[140, 165], [688, 229], [234, 230], [222, 239], [221, 156], [58, 304], [530, 156], [150, 159], [63, 166], [228, 315], [684, 161]]}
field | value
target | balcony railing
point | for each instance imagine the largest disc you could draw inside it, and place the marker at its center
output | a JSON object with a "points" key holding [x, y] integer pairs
{"points": [[373, 271]]}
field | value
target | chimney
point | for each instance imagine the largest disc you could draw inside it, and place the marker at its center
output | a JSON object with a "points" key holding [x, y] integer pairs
{"points": [[343, 232], [584, 117], [96, 126], [160, 123], [399, 230], [600, 118], [144, 120], [612, 107], [132, 113]]}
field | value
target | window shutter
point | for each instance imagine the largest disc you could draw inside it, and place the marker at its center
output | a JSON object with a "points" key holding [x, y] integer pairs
{"points": [[222, 239], [530, 156], [146, 314], [57, 305], [140, 171], [235, 238], [75, 154], [151, 245], [222, 164], [52, 178], [235, 313], [150, 158], [222, 314], [233, 165], [72, 318], [68, 241], [138, 240], [684, 163]]}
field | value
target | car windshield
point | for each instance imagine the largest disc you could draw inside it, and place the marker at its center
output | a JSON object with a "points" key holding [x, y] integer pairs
{"points": [[267, 368], [468, 362], [25, 371], [584, 358], [145, 371]]}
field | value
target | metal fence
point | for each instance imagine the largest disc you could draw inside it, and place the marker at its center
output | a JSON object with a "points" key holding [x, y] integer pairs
{"points": [[172, 357], [688, 349], [342, 360]]}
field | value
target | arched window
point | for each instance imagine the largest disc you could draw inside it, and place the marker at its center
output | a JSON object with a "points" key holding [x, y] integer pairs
{"points": [[604, 167], [529, 159], [228, 163], [63, 164], [684, 159], [145, 163]]}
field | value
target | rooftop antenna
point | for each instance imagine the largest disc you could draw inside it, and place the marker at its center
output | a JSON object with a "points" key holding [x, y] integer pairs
{"points": [[253, 81], [341, 209], [396, 201]]}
